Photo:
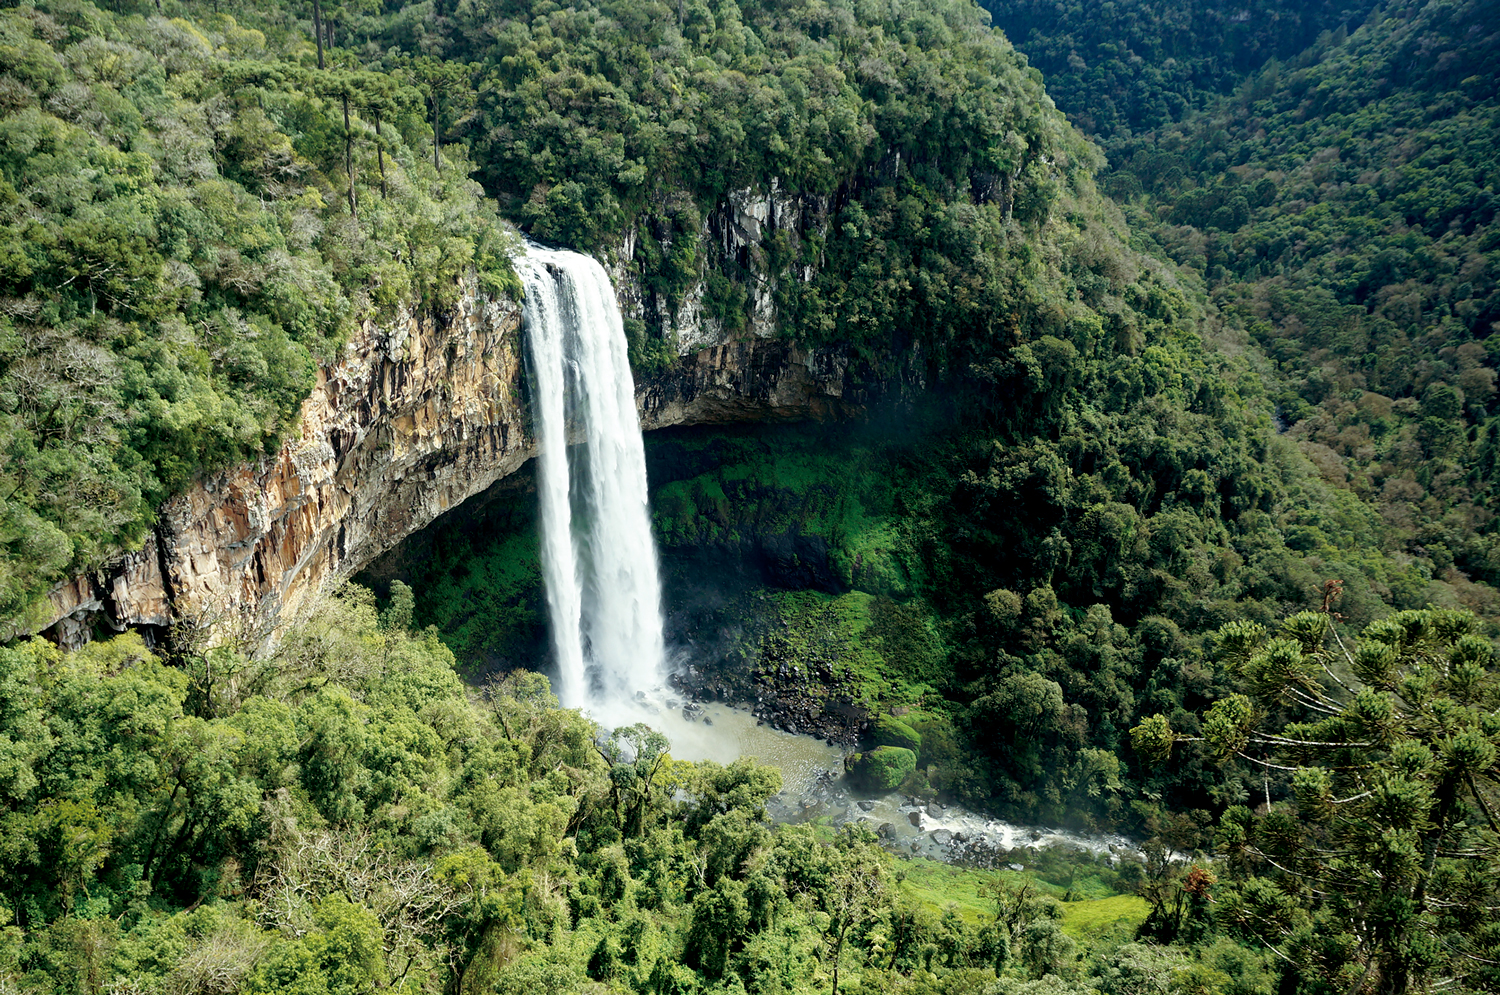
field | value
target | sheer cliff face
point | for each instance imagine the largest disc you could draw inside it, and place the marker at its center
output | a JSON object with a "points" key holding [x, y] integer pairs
{"points": [[418, 416]]}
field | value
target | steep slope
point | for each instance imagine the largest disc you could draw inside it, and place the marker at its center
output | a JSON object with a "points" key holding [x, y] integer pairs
{"points": [[879, 176], [1343, 214], [1133, 65], [193, 219]]}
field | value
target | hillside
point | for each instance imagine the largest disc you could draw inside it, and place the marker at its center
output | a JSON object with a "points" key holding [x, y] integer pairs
{"points": [[1134, 65], [1168, 513], [1342, 215], [182, 242]]}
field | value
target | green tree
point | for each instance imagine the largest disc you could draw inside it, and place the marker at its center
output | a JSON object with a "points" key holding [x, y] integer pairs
{"points": [[1376, 870]]}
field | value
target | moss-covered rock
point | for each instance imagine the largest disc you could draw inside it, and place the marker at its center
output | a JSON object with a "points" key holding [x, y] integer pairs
{"points": [[880, 769], [887, 730]]}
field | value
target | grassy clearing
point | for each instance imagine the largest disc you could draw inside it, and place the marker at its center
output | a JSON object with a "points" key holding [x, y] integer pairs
{"points": [[1102, 912], [1091, 919], [937, 886]]}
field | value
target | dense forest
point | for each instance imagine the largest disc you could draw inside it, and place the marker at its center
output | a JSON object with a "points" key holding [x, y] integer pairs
{"points": [[191, 221], [1187, 534], [1132, 65]]}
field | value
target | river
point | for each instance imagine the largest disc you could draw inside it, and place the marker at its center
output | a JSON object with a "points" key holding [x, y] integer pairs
{"points": [[813, 788]]}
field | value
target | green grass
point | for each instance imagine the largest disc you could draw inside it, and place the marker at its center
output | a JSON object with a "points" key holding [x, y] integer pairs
{"points": [[937, 886], [815, 624], [1082, 920]]}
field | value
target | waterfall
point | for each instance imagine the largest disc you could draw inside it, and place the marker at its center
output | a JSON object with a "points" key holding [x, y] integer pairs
{"points": [[598, 557]]}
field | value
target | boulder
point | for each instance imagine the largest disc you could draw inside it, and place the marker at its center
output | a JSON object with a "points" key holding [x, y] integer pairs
{"points": [[889, 731], [881, 769]]}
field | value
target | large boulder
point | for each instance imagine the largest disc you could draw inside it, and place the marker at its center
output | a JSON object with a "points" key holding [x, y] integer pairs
{"points": [[881, 769], [887, 730]]}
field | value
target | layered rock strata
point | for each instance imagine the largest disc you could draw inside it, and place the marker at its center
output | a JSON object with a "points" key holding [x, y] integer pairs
{"points": [[419, 415]]}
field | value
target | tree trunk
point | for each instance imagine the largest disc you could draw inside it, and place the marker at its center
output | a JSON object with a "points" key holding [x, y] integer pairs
{"points": [[156, 836], [436, 140], [838, 950], [318, 29], [380, 158], [349, 159]]}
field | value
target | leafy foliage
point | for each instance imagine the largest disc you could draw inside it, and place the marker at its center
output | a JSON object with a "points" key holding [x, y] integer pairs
{"points": [[345, 815], [920, 161], [1380, 862], [1140, 64], [1342, 212], [192, 221]]}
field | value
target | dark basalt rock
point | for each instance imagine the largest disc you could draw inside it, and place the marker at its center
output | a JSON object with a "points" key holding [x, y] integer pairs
{"points": [[808, 698]]}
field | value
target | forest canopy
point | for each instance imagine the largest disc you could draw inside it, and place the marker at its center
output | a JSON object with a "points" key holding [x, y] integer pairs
{"points": [[191, 218]]}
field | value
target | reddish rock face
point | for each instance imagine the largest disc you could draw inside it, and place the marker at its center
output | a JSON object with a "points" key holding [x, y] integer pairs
{"points": [[418, 416]]}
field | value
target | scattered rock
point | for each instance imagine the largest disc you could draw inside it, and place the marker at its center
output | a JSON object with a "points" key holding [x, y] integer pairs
{"points": [[942, 837], [1017, 867], [866, 805], [707, 721], [886, 831], [935, 810], [915, 818]]}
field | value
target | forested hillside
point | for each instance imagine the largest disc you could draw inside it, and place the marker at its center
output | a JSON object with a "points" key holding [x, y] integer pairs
{"points": [[1132, 65], [1162, 524], [1103, 489], [190, 218], [1342, 213], [935, 169]]}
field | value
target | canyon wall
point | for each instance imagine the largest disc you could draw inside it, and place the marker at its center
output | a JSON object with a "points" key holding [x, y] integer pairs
{"points": [[417, 416]]}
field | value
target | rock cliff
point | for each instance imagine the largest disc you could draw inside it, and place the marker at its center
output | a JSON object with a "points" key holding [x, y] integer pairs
{"points": [[417, 416]]}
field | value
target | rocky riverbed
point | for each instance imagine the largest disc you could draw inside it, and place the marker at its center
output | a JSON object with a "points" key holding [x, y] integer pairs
{"points": [[813, 787], [911, 827], [798, 699]]}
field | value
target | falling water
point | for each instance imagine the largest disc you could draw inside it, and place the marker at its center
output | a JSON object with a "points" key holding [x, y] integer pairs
{"points": [[598, 558]]}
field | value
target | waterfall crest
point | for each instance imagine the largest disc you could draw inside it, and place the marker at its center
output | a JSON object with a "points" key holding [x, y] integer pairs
{"points": [[598, 556]]}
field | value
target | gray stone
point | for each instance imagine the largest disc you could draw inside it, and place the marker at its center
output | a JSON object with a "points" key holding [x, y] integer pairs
{"points": [[866, 805]]}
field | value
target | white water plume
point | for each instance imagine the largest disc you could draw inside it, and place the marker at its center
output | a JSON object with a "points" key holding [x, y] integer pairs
{"points": [[598, 557]]}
